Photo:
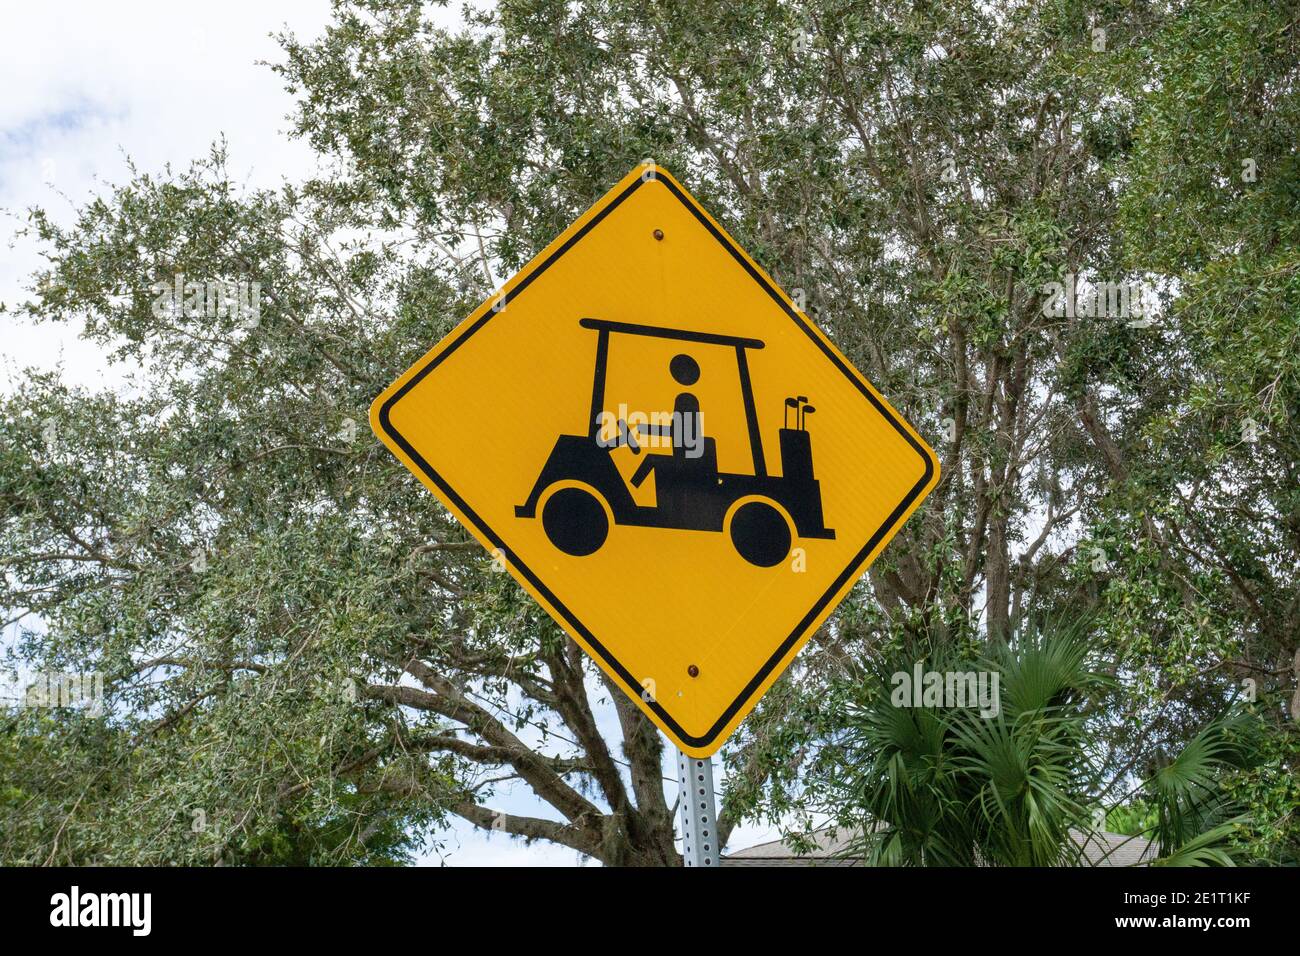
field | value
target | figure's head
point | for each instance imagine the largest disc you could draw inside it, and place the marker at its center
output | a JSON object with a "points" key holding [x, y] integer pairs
{"points": [[686, 371]]}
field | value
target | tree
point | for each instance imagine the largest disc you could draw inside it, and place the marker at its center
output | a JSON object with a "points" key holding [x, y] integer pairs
{"points": [[239, 558], [1212, 197], [944, 779]]}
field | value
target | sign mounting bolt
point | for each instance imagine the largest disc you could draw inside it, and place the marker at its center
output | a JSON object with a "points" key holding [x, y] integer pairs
{"points": [[659, 234], [693, 671]]}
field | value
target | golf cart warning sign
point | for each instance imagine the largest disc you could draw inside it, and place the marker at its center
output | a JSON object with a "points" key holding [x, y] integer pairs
{"points": [[666, 453]]}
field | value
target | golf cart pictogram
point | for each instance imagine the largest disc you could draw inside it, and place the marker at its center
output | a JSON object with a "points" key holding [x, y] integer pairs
{"points": [[580, 491]]}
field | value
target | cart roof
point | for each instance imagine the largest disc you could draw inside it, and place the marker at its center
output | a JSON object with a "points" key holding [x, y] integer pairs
{"points": [[710, 338]]}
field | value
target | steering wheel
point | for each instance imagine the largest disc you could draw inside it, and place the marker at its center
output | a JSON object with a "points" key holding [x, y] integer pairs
{"points": [[628, 437]]}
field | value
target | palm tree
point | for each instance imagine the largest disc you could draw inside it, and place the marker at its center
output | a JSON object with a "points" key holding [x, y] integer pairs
{"points": [[950, 785]]}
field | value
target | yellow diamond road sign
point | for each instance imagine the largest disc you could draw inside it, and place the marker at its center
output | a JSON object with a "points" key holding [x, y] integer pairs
{"points": [[667, 454]]}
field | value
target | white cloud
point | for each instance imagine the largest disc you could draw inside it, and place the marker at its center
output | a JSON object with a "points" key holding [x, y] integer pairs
{"points": [[89, 83]]}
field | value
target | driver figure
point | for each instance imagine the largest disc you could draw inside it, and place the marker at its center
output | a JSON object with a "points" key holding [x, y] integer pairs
{"points": [[685, 429]]}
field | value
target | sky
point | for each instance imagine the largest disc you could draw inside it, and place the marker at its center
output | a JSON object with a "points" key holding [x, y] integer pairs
{"points": [[89, 84]]}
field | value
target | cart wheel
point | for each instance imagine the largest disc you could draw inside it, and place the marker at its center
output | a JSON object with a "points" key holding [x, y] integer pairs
{"points": [[760, 534], [575, 521]]}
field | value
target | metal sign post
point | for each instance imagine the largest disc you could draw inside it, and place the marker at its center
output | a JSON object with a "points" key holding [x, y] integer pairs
{"points": [[699, 813]]}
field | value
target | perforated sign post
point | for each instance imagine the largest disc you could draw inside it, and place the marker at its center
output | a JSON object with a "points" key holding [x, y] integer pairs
{"points": [[665, 451]]}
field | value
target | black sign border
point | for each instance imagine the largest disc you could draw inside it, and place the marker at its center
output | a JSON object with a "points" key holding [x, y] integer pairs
{"points": [[634, 686]]}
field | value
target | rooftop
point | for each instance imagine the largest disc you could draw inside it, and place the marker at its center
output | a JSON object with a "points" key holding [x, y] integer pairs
{"points": [[1100, 849]]}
